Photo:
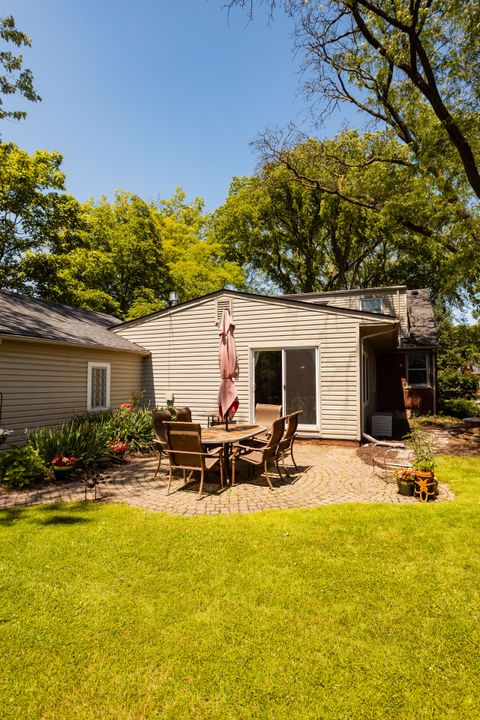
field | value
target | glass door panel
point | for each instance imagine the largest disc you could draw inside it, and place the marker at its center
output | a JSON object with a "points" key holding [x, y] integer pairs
{"points": [[268, 377], [300, 384]]}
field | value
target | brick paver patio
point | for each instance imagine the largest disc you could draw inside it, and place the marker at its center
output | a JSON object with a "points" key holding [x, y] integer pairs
{"points": [[327, 475]]}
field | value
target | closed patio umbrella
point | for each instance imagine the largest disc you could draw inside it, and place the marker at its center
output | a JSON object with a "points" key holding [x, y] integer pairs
{"points": [[228, 363]]}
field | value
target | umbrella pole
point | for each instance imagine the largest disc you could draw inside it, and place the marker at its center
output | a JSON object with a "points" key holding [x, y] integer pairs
{"points": [[226, 422]]}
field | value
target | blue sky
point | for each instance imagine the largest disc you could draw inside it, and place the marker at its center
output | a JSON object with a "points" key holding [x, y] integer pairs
{"points": [[150, 95]]}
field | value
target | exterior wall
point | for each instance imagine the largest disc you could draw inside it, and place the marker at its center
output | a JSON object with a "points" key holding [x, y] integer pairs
{"points": [[395, 395], [394, 302], [184, 350], [46, 384]]}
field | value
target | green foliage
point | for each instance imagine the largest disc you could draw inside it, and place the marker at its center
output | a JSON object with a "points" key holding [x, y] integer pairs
{"points": [[14, 79], [423, 457], [458, 353], [87, 441], [307, 235], [127, 256], [412, 69], [34, 210], [460, 408], [455, 384], [133, 426], [21, 467]]}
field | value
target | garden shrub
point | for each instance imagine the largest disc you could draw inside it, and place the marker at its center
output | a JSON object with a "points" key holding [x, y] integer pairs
{"points": [[135, 427], [453, 384], [460, 408], [87, 441], [21, 467]]}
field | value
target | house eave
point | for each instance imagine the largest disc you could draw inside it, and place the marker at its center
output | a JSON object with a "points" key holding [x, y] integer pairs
{"points": [[68, 343]]}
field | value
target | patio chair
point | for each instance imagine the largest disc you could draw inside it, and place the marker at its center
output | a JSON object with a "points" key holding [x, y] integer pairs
{"points": [[265, 415], [159, 418], [285, 446], [261, 456], [184, 414], [185, 452]]}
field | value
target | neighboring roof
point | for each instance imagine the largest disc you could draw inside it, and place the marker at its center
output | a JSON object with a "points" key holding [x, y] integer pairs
{"points": [[314, 307], [354, 291], [23, 317], [421, 323]]}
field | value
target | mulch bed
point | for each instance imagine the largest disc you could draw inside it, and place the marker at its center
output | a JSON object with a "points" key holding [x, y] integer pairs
{"points": [[449, 439]]}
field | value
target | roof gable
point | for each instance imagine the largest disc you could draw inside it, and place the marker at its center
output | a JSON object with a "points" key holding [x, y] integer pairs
{"points": [[273, 299]]}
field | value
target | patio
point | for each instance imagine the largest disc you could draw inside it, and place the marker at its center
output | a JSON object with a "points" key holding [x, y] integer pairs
{"points": [[328, 475]]}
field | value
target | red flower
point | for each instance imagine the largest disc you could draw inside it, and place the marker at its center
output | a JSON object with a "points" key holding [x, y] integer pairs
{"points": [[117, 446], [62, 460], [126, 406]]}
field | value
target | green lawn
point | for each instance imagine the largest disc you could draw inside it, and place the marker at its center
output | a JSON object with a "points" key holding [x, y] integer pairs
{"points": [[342, 612]]}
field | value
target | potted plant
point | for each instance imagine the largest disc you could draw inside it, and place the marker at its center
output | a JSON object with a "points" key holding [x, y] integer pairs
{"points": [[424, 468], [405, 481], [62, 465]]}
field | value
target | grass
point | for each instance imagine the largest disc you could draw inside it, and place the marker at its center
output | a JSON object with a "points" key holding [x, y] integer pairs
{"points": [[343, 612]]}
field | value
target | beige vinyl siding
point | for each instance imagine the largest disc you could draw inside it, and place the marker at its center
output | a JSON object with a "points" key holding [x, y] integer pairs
{"points": [[184, 356], [45, 384], [394, 302]]}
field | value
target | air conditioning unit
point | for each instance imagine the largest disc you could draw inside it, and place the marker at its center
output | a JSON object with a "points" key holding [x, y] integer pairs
{"points": [[382, 424]]}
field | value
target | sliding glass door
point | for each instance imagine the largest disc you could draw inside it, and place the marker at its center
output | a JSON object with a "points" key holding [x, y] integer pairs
{"points": [[288, 377]]}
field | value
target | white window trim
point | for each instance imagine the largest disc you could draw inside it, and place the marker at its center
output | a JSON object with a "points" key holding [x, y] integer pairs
{"points": [[427, 370], [90, 367], [374, 297]]}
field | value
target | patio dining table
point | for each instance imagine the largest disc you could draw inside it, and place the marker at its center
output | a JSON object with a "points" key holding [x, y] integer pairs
{"points": [[218, 435]]}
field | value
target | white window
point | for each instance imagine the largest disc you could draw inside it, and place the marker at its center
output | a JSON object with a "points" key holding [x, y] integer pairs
{"points": [[417, 370], [98, 386], [371, 304]]}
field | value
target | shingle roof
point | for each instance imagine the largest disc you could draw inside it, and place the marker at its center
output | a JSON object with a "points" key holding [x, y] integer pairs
{"points": [[422, 328], [21, 316]]}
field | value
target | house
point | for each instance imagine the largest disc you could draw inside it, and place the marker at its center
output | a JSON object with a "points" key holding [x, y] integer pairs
{"points": [[354, 361], [342, 357], [57, 362]]}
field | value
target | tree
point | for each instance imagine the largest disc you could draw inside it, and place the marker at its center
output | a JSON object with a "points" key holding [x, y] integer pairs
{"points": [[34, 209], [399, 54], [196, 258], [14, 79], [458, 353], [413, 68], [305, 236], [128, 255]]}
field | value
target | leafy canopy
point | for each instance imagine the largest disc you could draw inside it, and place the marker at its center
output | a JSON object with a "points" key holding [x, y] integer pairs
{"points": [[126, 256], [13, 78], [296, 225]]}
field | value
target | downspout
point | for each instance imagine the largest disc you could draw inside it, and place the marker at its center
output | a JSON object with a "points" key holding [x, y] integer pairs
{"points": [[434, 381], [362, 418]]}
